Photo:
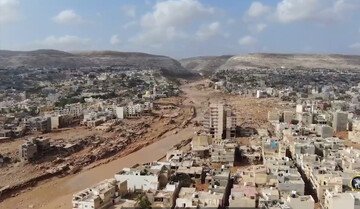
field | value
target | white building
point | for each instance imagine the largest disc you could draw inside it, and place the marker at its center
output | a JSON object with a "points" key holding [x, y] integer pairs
{"points": [[243, 197], [300, 202], [354, 135], [134, 110], [144, 178], [335, 200], [100, 196], [120, 112], [188, 197]]}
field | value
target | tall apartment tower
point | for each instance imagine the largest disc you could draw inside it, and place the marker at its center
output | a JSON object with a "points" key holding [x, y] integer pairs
{"points": [[220, 121], [340, 121]]}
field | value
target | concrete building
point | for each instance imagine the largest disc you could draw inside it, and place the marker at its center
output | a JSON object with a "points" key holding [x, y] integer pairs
{"points": [[273, 116], [33, 147], [161, 198], [300, 108], [323, 182], [221, 154], [189, 197], [28, 150], [214, 121], [200, 145], [301, 148], [324, 131], [120, 112], [220, 121], [255, 174], [55, 122], [305, 118], [74, 110], [296, 201], [354, 134], [230, 125], [134, 110], [38, 124], [100, 196], [289, 181], [340, 121], [288, 116], [269, 195], [144, 178], [243, 197], [174, 153], [333, 200], [219, 180], [350, 160]]}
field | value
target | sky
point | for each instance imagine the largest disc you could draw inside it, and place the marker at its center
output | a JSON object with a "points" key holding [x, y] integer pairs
{"points": [[182, 28]]}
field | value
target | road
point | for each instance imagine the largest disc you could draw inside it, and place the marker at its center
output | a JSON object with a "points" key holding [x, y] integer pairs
{"points": [[58, 193]]}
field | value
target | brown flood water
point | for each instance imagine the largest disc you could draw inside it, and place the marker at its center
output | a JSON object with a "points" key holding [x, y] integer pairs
{"points": [[58, 193]]}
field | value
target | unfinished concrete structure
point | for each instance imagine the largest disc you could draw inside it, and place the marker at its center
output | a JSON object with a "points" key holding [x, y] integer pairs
{"points": [[340, 121], [220, 121], [33, 147]]}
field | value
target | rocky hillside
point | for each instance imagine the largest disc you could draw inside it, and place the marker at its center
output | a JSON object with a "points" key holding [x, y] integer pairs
{"points": [[205, 65], [293, 61], [307, 61], [54, 58]]}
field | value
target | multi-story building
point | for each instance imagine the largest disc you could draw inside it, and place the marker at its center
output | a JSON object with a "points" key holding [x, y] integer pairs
{"points": [[28, 150], [340, 121], [324, 131], [220, 121], [243, 197], [120, 112], [296, 201], [323, 182], [288, 116], [189, 197], [144, 177], [134, 110], [221, 154], [33, 147], [100, 196], [74, 110], [38, 124], [334, 200], [354, 134]]}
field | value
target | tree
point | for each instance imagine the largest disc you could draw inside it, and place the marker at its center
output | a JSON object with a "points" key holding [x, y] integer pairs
{"points": [[142, 201]]}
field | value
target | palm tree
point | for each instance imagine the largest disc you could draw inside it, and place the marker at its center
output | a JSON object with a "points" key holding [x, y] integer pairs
{"points": [[142, 201]]}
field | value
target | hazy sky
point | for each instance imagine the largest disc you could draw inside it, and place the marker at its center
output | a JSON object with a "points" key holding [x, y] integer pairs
{"points": [[182, 28]]}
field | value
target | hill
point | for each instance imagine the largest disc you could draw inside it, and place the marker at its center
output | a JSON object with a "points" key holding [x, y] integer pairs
{"points": [[205, 65], [59, 59], [262, 60]]}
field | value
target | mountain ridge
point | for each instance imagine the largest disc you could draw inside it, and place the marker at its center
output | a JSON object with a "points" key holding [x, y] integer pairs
{"points": [[49, 58], [270, 60]]}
